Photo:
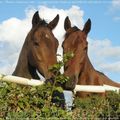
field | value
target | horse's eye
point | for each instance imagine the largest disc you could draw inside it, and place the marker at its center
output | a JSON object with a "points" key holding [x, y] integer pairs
{"points": [[86, 48], [36, 43]]}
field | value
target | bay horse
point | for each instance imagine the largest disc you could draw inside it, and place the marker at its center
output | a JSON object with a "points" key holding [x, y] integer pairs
{"points": [[79, 69], [39, 49], [39, 53]]}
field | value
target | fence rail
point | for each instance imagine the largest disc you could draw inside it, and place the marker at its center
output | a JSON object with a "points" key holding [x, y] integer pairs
{"points": [[21, 80], [33, 82]]}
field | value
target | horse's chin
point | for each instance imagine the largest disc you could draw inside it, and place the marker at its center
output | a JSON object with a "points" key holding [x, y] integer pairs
{"points": [[43, 70], [69, 86], [48, 75], [71, 83]]}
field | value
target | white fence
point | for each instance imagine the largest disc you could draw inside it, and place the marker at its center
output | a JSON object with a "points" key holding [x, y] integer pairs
{"points": [[96, 89], [32, 82], [21, 80]]}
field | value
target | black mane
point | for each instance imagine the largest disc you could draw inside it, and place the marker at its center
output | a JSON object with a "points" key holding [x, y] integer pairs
{"points": [[71, 30], [42, 23]]}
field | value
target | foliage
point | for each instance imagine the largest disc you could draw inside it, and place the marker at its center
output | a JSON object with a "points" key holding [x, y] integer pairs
{"points": [[98, 107], [18, 101], [25, 102]]}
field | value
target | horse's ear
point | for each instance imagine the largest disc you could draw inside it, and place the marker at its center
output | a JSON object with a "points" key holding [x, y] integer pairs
{"points": [[54, 22], [67, 23], [36, 19], [87, 26]]}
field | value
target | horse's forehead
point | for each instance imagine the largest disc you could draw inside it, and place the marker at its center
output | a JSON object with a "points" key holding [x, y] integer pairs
{"points": [[77, 38], [43, 30], [73, 36], [45, 35], [79, 33]]}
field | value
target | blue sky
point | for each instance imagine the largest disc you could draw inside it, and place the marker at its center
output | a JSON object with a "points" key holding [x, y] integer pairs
{"points": [[105, 31], [101, 15]]}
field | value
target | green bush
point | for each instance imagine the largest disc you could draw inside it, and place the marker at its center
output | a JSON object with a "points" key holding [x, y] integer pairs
{"points": [[25, 102], [98, 107], [17, 101]]}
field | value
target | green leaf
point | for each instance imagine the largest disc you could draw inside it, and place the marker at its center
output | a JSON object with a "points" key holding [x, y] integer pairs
{"points": [[59, 89], [68, 56]]}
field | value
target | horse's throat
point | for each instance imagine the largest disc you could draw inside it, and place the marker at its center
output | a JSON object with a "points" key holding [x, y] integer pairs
{"points": [[23, 68]]}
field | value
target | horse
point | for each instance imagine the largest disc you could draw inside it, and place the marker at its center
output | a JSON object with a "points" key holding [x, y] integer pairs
{"points": [[39, 53], [79, 68], [39, 50]]}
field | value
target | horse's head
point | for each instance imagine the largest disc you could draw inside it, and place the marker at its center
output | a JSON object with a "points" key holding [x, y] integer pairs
{"points": [[42, 45], [75, 41]]}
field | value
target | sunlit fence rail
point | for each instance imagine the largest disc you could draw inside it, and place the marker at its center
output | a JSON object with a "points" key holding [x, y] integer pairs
{"points": [[21, 80], [33, 82]]}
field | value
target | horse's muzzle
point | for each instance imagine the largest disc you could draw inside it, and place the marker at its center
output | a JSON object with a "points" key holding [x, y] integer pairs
{"points": [[51, 81]]}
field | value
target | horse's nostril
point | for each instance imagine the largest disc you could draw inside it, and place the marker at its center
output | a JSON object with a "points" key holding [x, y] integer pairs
{"points": [[66, 67], [70, 85], [50, 80], [79, 75]]}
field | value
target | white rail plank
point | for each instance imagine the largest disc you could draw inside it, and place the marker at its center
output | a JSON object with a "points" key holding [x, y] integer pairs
{"points": [[21, 80]]}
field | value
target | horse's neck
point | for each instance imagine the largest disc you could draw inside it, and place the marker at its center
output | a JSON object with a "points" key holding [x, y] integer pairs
{"points": [[23, 68], [86, 71], [97, 77], [22, 65], [107, 81], [88, 67], [91, 76]]}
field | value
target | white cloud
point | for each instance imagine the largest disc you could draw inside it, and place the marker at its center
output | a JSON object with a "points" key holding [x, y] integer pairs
{"points": [[117, 18], [112, 67], [114, 9], [116, 4], [14, 29], [13, 32], [105, 48], [104, 55]]}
